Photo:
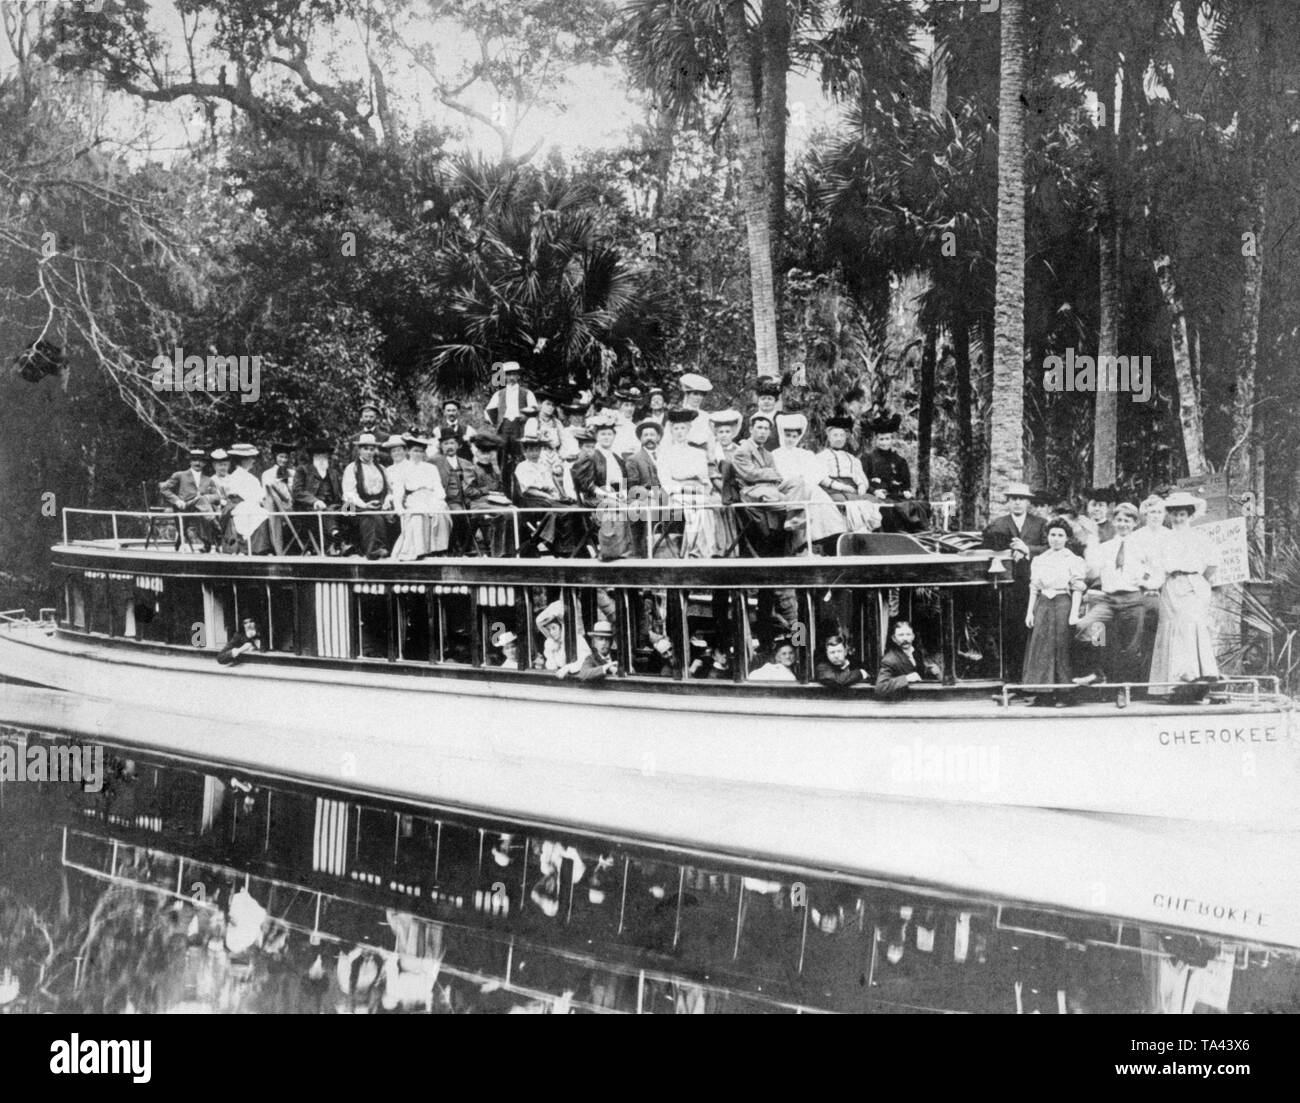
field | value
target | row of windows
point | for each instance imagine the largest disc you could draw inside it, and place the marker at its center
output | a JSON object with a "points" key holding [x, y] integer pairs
{"points": [[722, 634]]}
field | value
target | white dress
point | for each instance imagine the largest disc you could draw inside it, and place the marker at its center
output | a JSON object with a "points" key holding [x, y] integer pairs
{"points": [[684, 478], [799, 464], [862, 515], [249, 513], [426, 525]]}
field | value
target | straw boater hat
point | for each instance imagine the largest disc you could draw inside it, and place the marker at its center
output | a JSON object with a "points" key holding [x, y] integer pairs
{"points": [[219, 454], [693, 381], [366, 440], [1180, 499], [649, 423], [196, 453], [511, 367], [725, 417], [394, 441], [244, 451], [531, 437], [601, 628], [413, 441], [1018, 490], [504, 637], [1128, 509]]}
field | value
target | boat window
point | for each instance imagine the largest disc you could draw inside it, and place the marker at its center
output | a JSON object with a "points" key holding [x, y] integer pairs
{"points": [[250, 601], [649, 908], [98, 616], [778, 622], [455, 617], [416, 848], [282, 617], [655, 620], [75, 592], [501, 615], [767, 929], [416, 629], [292, 833], [372, 620], [593, 891], [183, 612], [976, 654]]}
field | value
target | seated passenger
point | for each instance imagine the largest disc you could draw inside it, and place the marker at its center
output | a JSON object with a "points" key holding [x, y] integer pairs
{"points": [[248, 517], [248, 639], [508, 644], [485, 492], [781, 667], [902, 664], [193, 492], [422, 502], [454, 471], [550, 622], [365, 493], [665, 663], [685, 481], [318, 488], [599, 663], [798, 464], [538, 485], [846, 482], [277, 498], [757, 482], [601, 483], [714, 663], [835, 671]]}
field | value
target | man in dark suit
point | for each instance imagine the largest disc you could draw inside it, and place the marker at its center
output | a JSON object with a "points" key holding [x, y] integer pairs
{"points": [[241, 643], [455, 473], [1024, 536], [640, 465], [835, 671], [191, 491], [902, 664], [485, 492], [452, 426], [318, 487], [767, 402]]}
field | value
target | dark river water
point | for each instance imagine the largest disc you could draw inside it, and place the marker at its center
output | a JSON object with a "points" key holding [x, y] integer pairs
{"points": [[193, 887]]}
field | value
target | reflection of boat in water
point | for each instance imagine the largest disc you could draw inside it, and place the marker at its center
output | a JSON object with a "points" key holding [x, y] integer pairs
{"points": [[624, 925]]}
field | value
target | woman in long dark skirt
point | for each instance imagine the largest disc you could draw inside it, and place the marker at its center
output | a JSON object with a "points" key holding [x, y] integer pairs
{"points": [[1056, 581]]}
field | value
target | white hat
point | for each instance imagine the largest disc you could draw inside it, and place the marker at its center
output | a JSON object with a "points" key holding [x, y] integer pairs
{"points": [[601, 628], [367, 440], [798, 422], [553, 612], [220, 454], [244, 451], [1181, 499], [394, 441], [1018, 490], [503, 638], [693, 381], [511, 366], [725, 417]]}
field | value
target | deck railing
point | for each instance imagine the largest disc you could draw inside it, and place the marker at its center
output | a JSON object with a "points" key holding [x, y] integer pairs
{"points": [[653, 512], [1252, 688]]}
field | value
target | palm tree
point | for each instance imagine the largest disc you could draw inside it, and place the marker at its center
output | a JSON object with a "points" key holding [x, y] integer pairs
{"points": [[1006, 449], [534, 279]]}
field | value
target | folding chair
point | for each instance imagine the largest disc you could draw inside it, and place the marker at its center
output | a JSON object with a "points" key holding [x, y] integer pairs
{"points": [[157, 525]]}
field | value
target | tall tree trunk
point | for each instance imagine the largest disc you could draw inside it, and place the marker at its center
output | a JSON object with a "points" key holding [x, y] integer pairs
{"points": [[1007, 445], [1105, 426], [925, 414], [774, 35], [939, 78], [1240, 476], [753, 189], [1189, 391], [966, 466]]}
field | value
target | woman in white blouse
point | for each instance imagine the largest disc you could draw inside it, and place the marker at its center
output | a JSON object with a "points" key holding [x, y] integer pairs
{"points": [[419, 495], [1184, 648], [1057, 578], [685, 480]]}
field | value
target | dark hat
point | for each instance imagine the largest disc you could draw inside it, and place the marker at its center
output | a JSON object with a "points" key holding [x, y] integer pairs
{"points": [[768, 386], [576, 407], [649, 423], [678, 415], [369, 406], [451, 402], [277, 446], [583, 435], [845, 423], [883, 423], [545, 395], [317, 446], [629, 394], [487, 440]]}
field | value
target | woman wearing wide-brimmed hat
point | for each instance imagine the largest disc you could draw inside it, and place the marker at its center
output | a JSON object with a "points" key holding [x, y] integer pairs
{"points": [[1184, 648]]}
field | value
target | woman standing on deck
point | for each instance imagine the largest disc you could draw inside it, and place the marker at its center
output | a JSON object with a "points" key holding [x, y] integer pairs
{"points": [[1184, 649], [1056, 581]]}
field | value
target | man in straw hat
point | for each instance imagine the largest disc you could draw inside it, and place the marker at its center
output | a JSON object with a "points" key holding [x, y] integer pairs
{"points": [[192, 492], [599, 663], [1022, 536], [1125, 584], [366, 494], [505, 412], [539, 486]]}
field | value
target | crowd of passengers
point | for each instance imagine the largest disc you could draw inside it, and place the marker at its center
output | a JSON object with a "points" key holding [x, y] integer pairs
{"points": [[1112, 592], [603, 476]]}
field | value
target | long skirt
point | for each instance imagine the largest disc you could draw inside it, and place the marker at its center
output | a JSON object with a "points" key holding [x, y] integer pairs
{"points": [[1184, 648], [822, 515], [1047, 661], [701, 536], [425, 530], [861, 513]]}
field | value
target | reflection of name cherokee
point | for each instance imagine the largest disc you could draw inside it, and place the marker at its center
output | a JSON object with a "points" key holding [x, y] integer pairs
{"points": [[1222, 736], [1189, 905]]}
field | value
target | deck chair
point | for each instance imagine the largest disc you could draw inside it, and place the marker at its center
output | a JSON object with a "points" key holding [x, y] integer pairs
{"points": [[158, 522]]}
